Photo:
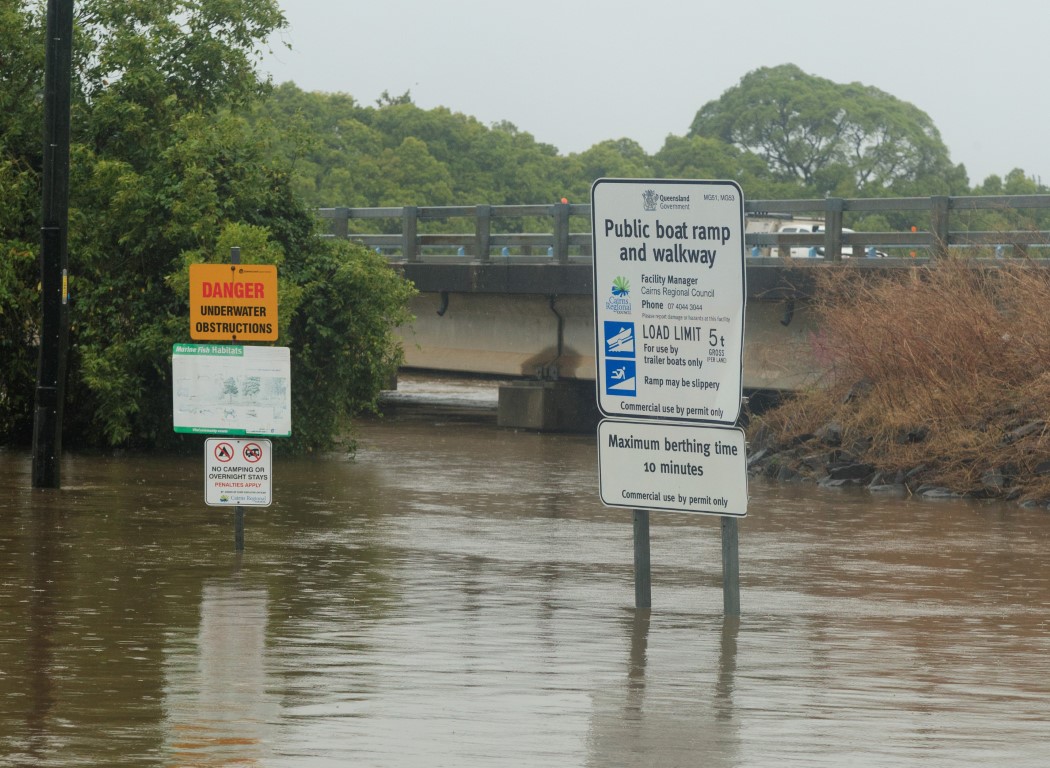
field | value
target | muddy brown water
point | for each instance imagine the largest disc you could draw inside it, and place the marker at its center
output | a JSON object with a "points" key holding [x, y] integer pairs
{"points": [[458, 596]]}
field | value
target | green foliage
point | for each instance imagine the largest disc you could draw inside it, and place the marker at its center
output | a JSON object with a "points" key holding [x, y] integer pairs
{"points": [[143, 64], [850, 140], [21, 118], [133, 233], [613, 158], [701, 157], [166, 171], [19, 301], [21, 68], [1006, 219], [398, 154], [342, 342], [780, 133]]}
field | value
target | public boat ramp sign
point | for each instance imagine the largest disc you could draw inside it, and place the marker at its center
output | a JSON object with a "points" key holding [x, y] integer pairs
{"points": [[669, 301], [669, 290]]}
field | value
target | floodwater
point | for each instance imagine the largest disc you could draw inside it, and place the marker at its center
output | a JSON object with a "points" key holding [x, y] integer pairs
{"points": [[458, 596]]}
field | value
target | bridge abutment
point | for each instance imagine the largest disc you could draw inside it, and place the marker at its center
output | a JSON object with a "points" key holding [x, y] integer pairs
{"points": [[551, 348], [548, 406]]}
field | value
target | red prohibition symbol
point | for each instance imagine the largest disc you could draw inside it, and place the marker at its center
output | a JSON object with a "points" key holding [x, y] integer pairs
{"points": [[224, 452], [252, 452]]}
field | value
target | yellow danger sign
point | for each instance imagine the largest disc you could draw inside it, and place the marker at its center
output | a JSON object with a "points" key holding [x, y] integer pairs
{"points": [[233, 302]]}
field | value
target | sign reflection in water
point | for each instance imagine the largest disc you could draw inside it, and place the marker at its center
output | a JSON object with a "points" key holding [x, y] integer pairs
{"points": [[219, 707]]}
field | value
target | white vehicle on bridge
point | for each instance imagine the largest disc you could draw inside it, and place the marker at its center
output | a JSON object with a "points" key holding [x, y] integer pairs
{"points": [[799, 251], [817, 252]]}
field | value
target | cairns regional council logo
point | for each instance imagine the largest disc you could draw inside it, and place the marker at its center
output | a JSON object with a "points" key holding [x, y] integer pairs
{"points": [[650, 198], [618, 301]]}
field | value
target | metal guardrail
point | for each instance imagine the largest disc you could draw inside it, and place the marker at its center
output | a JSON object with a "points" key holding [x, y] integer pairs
{"points": [[411, 244], [560, 245], [937, 239]]}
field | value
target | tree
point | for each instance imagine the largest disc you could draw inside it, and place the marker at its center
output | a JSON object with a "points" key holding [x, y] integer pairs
{"points": [[168, 170], [229, 387], [21, 69], [21, 117], [342, 351], [700, 157], [1016, 182], [399, 154], [143, 64], [613, 158], [412, 176], [331, 151], [834, 139]]}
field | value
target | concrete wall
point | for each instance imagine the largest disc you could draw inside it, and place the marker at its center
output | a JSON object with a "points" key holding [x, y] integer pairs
{"points": [[516, 335]]}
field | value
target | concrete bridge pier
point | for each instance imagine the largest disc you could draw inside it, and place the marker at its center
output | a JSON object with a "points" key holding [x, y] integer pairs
{"points": [[546, 339], [549, 406]]}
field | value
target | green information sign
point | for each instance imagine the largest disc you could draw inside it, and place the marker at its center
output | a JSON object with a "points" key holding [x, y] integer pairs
{"points": [[228, 389]]}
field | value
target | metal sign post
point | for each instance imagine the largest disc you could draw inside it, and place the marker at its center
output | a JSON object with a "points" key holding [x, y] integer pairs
{"points": [[730, 567], [232, 390], [238, 528], [669, 299], [643, 577]]}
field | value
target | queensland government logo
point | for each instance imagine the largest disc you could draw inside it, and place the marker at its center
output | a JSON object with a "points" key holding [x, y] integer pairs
{"points": [[618, 301], [650, 198]]}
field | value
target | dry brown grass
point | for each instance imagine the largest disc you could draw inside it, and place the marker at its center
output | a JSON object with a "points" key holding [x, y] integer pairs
{"points": [[936, 368]]}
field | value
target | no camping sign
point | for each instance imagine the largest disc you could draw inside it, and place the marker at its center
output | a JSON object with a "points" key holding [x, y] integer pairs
{"points": [[238, 472]]}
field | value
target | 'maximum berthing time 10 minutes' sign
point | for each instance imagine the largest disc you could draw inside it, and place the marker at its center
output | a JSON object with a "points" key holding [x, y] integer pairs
{"points": [[233, 302], [669, 289]]}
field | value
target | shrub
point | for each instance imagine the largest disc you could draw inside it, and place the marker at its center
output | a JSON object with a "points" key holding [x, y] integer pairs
{"points": [[944, 367]]}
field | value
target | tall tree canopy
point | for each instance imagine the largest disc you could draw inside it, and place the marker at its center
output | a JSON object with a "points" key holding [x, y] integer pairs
{"points": [[396, 153], [168, 170], [780, 132], [847, 139]]}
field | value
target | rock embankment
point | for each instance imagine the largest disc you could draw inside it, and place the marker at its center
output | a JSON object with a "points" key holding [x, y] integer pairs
{"points": [[822, 458]]}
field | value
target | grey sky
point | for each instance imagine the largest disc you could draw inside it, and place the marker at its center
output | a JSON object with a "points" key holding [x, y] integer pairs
{"points": [[574, 73]]}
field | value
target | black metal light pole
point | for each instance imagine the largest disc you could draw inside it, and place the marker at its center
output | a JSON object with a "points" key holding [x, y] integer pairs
{"points": [[54, 331]]}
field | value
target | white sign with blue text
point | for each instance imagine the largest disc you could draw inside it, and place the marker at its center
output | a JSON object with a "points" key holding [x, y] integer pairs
{"points": [[669, 290], [672, 467]]}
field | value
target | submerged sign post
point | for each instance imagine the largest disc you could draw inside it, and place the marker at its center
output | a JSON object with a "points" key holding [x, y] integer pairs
{"points": [[669, 298], [229, 389]]}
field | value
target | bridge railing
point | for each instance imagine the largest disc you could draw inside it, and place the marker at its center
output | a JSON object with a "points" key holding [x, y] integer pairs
{"points": [[936, 234], [559, 245]]}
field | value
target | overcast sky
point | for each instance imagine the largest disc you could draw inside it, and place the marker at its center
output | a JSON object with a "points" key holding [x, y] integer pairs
{"points": [[574, 73]]}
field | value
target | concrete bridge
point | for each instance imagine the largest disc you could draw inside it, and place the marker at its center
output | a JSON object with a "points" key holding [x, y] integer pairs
{"points": [[536, 323], [502, 301]]}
